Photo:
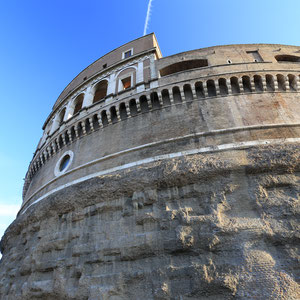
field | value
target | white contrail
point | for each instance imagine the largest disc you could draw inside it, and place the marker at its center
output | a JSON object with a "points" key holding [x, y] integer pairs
{"points": [[147, 17]]}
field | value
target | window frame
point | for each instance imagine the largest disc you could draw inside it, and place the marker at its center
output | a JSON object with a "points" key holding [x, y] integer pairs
{"points": [[120, 83], [126, 51]]}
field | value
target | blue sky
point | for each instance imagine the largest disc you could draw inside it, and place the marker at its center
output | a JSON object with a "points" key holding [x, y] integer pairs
{"points": [[45, 44]]}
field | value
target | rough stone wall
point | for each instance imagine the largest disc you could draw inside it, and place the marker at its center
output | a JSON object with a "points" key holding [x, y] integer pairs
{"points": [[223, 225]]}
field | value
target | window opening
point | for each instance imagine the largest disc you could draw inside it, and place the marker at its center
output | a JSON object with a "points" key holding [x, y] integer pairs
{"points": [[127, 53], [287, 58], [64, 163], [183, 66], [101, 91], [78, 104], [126, 82], [255, 56]]}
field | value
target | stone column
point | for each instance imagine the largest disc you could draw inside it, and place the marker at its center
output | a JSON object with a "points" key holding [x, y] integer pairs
{"points": [[241, 85], [228, 86], [182, 94], [91, 123], [217, 87], [88, 97], [128, 110], [100, 120], [153, 73], [140, 72], [287, 83], [149, 101], [138, 105], [111, 88]]}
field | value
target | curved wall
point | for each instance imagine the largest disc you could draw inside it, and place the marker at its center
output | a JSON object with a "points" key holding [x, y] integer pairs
{"points": [[211, 106], [180, 182]]}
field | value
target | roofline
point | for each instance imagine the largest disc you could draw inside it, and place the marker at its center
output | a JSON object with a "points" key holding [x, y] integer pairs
{"points": [[54, 109], [230, 45], [157, 43], [152, 33]]}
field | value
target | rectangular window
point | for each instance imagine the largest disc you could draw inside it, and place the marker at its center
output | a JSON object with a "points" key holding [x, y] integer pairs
{"points": [[126, 82], [127, 53], [255, 56]]}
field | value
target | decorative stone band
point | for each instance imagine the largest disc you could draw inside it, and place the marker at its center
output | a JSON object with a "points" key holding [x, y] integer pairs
{"points": [[218, 148], [190, 90]]}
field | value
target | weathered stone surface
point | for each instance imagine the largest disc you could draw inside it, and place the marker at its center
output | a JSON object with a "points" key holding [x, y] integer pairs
{"points": [[223, 225]]}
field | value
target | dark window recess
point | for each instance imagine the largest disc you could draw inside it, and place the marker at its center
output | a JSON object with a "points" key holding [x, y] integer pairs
{"points": [[127, 54], [64, 163], [100, 91], [78, 104], [183, 66], [104, 66], [255, 56], [287, 58], [126, 83]]}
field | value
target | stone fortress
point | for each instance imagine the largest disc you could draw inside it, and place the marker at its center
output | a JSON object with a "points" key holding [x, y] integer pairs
{"points": [[165, 178]]}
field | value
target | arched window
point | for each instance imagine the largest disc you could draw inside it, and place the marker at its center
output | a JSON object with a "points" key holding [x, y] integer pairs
{"points": [[281, 82], [223, 86], [199, 90], [154, 100], [87, 125], [96, 122], [122, 110], [104, 118], [246, 84], [165, 97], [211, 88], [292, 82], [270, 83], [113, 114], [100, 91], [79, 129], [235, 87], [62, 116], [144, 104], [133, 107], [78, 104], [188, 94], [258, 83], [176, 95]]}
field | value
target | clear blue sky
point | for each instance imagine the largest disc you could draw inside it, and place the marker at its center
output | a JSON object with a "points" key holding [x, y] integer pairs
{"points": [[45, 44]]}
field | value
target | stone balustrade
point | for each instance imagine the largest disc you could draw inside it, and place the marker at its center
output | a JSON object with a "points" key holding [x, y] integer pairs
{"points": [[98, 116]]}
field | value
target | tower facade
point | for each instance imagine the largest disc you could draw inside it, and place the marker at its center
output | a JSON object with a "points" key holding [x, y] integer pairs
{"points": [[164, 178]]}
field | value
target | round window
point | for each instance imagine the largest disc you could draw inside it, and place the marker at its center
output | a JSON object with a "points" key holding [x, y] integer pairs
{"points": [[63, 163]]}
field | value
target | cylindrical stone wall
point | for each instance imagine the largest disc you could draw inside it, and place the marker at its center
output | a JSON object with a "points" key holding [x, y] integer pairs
{"points": [[185, 186]]}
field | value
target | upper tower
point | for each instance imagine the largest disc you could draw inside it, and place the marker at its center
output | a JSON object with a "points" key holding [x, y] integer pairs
{"points": [[134, 79], [165, 178]]}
